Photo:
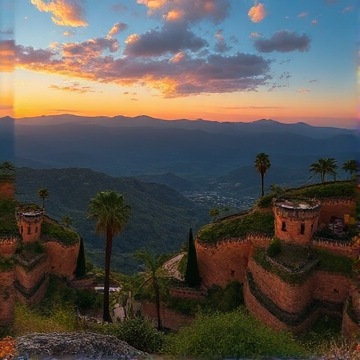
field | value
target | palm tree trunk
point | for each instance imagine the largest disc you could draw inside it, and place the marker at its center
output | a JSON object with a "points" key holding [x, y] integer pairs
{"points": [[262, 184], [106, 313], [157, 302]]}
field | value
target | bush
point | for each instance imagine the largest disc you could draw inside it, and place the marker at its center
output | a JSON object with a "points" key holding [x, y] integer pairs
{"points": [[225, 299], [235, 334], [137, 332], [274, 247]]}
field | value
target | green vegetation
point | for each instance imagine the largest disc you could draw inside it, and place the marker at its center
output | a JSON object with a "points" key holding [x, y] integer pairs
{"points": [[274, 247], [345, 188], [55, 231], [334, 263], [237, 227], [324, 167], [262, 164], [6, 263], [30, 250], [111, 212], [80, 270], [192, 274], [8, 224], [245, 337]]}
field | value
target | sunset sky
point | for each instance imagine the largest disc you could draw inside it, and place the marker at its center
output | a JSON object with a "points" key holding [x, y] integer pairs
{"points": [[224, 60]]}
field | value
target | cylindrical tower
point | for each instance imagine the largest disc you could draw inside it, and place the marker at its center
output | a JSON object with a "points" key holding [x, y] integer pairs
{"points": [[29, 224], [296, 219]]}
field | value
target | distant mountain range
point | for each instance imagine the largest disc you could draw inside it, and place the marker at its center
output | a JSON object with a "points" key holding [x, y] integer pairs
{"points": [[193, 150]]}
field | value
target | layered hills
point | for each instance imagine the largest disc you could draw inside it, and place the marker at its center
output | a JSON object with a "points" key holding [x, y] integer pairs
{"points": [[161, 217]]}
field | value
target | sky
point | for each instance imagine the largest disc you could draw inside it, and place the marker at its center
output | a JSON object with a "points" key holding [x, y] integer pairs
{"points": [[223, 60]]}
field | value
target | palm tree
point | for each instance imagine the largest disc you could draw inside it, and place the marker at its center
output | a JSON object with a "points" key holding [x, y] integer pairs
{"points": [[154, 276], [43, 194], [350, 166], [262, 164], [323, 167], [112, 214], [66, 220]]}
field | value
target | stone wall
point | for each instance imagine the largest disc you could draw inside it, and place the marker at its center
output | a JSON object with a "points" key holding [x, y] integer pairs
{"points": [[7, 190], [62, 259], [291, 298], [223, 263], [350, 329], [336, 247], [331, 287], [34, 295], [188, 293], [7, 296], [29, 278], [7, 245], [269, 319], [336, 207], [169, 318]]}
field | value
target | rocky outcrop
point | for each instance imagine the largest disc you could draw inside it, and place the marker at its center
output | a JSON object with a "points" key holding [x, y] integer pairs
{"points": [[83, 345]]}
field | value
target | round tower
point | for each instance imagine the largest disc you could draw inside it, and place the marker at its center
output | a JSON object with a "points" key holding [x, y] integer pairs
{"points": [[296, 219], [29, 224]]}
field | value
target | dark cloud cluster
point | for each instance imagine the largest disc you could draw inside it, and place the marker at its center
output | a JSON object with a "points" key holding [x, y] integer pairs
{"points": [[283, 41], [170, 39]]}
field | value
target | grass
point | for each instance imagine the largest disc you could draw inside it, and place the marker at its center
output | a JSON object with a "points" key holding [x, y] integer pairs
{"points": [[8, 224], [237, 227], [56, 231]]}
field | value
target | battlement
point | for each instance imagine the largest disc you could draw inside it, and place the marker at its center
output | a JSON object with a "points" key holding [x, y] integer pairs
{"points": [[297, 209]]}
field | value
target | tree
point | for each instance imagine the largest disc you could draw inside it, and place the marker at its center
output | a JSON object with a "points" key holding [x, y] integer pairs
{"points": [[154, 274], [262, 164], [66, 220], [43, 194], [112, 214], [192, 274], [81, 261], [214, 213], [350, 166], [324, 167]]}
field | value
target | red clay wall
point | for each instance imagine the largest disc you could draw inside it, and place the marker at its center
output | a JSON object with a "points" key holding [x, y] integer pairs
{"points": [[7, 246], [291, 298], [331, 287], [169, 318], [7, 191], [224, 263], [37, 297], [337, 208], [7, 296], [61, 259], [349, 329], [265, 316], [29, 279], [349, 251]]}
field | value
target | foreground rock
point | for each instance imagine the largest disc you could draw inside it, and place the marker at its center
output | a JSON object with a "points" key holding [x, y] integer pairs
{"points": [[75, 346]]}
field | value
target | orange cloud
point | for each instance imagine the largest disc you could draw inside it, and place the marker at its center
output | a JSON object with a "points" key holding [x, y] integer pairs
{"points": [[257, 13], [255, 35], [116, 29], [68, 33], [314, 22], [303, 91], [174, 15], [65, 12], [7, 55], [178, 57], [132, 39]]}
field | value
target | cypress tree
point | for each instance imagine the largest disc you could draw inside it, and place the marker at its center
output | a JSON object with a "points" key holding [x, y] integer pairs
{"points": [[192, 275], [81, 261]]}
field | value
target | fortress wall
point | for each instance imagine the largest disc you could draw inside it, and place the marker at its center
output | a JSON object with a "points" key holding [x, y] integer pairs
{"points": [[331, 287], [349, 329], [224, 263], [7, 246], [266, 317], [7, 190], [291, 298], [335, 207], [62, 259], [260, 240], [37, 297], [28, 279], [337, 248], [7, 296]]}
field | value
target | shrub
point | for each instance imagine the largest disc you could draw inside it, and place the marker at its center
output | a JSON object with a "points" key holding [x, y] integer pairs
{"points": [[274, 247], [235, 334]]}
